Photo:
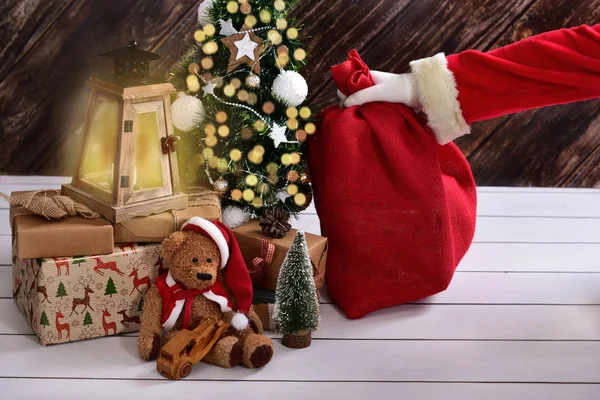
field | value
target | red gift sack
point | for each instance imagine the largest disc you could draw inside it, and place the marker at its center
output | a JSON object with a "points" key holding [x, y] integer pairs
{"points": [[398, 208]]}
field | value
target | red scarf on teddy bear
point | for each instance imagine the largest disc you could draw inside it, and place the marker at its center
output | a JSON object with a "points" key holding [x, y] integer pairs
{"points": [[176, 298]]}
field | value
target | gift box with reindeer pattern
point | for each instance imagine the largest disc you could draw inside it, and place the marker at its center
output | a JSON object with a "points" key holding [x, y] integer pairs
{"points": [[74, 298]]}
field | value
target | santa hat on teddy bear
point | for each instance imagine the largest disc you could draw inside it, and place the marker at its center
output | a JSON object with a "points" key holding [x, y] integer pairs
{"points": [[237, 277]]}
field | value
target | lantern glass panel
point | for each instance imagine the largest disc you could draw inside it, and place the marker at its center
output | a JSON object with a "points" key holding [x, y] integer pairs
{"points": [[101, 146], [148, 172]]}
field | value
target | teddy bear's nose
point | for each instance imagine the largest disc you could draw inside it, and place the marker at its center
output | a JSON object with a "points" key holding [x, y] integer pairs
{"points": [[204, 277]]}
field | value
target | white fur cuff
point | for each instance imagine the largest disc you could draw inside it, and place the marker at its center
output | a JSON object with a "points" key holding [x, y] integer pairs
{"points": [[439, 97]]}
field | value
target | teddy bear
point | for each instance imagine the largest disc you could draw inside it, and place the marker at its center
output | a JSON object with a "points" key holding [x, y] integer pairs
{"points": [[205, 261]]}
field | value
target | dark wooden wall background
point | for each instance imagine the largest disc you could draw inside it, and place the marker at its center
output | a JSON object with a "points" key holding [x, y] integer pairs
{"points": [[48, 50]]}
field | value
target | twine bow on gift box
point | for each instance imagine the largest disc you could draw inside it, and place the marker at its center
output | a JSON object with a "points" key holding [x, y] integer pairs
{"points": [[260, 270], [261, 266], [198, 196], [46, 203]]}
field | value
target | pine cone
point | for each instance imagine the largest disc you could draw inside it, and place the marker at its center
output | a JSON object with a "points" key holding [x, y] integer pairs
{"points": [[275, 222]]}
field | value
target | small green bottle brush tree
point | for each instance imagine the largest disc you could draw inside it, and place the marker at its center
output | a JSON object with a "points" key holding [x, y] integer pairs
{"points": [[296, 303], [242, 98]]}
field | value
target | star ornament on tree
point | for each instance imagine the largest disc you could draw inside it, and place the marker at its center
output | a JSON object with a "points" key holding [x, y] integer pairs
{"points": [[227, 28], [245, 48], [278, 135], [209, 89]]}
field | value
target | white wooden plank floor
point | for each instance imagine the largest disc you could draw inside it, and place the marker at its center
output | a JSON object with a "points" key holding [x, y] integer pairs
{"points": [[520, 321]]}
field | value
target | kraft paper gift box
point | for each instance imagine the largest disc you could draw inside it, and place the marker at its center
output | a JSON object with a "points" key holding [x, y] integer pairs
{"points": [[154, 228], [37, 237], [264, 268], [74, 298]]}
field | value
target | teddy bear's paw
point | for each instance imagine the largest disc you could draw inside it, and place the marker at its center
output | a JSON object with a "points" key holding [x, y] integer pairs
{"points": [[261, 356], [236, 354], [149, 346], [258, 351], [226, 353]]}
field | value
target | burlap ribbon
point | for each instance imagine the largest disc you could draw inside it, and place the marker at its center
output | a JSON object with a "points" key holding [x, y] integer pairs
{"points": [[46, 203], [261, 266], [198, 196]]}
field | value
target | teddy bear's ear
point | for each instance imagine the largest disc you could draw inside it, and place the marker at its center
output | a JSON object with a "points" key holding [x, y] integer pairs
{"points": [[172, 244]]}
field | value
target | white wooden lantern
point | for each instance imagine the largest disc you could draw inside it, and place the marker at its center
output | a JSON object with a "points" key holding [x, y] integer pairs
{"points": [[128, 165]]}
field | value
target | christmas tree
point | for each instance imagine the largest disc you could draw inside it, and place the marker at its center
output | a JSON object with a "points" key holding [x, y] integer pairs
{"points": [[44, 319], [244, 101], [110, 288], [61, 291], [87, 320], [141, 305], [296, 302]]}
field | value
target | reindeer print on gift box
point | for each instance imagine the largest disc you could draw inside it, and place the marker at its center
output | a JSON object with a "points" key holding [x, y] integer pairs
{"points": [[42, 290], [160, 263], [61, 262], [127, 320], [63, 329], [130, 246], [109, 266], [108, 326], [74, 298], [137, 281], [161, 266], [85, 301]]}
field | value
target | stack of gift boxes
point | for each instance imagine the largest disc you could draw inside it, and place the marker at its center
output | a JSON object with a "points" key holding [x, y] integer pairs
{"points": [[79, 278]]}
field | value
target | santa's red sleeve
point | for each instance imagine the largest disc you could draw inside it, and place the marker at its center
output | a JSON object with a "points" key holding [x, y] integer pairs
{"points": [[556, 67]]}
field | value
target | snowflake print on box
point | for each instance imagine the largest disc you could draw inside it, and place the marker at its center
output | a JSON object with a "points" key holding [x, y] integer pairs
{"points": [[84, 297]]}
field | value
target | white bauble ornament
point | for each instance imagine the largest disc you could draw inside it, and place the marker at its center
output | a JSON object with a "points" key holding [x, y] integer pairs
{"points": [[290, 88], [187, 112], [253, 81], [234, 216], [203, 17]]}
